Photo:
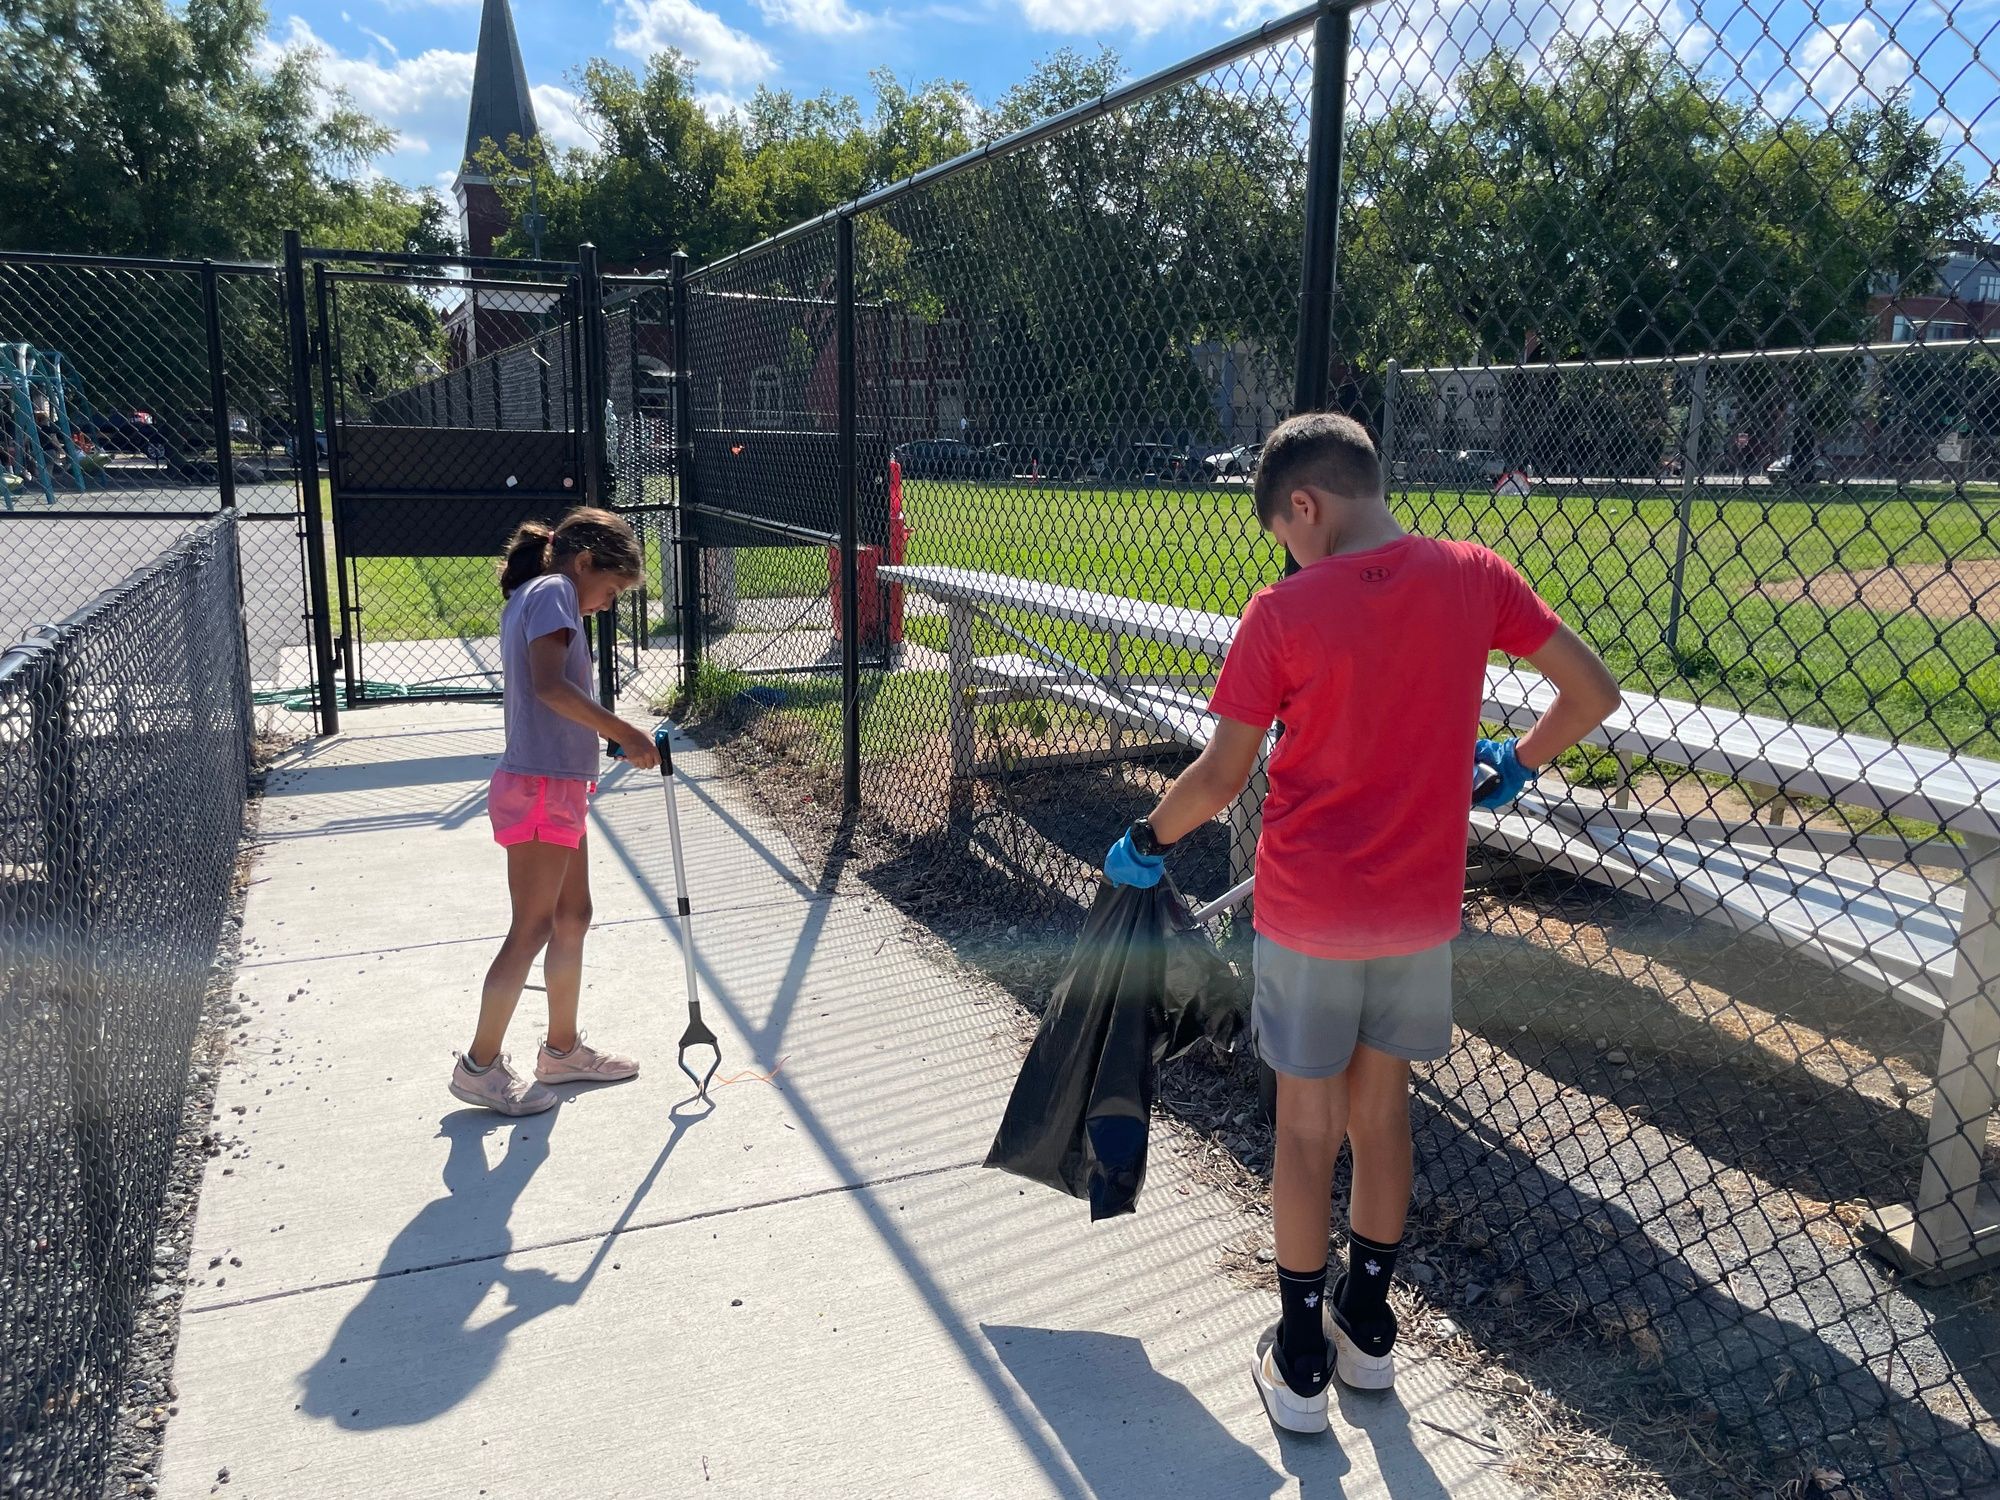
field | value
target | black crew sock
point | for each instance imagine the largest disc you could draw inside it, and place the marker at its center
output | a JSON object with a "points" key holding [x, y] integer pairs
{"points": [[1362, 1295], [1301, 1331]]}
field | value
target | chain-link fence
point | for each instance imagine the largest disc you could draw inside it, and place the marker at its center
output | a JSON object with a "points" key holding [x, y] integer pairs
{"points": [[139, 398], [639, 357], [762, 502], [1694, 315], [125, 738]]}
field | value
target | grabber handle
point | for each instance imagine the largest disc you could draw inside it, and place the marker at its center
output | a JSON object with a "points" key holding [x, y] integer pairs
{"points": [[663, 741]]}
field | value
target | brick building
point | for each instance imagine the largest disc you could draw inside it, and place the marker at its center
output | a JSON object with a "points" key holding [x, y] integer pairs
{"points": [[1960, 301]]}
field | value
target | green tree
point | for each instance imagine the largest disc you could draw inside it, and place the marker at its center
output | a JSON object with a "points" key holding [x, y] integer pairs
{"points": [[137, 127], [662, 175], [1614, 200]]}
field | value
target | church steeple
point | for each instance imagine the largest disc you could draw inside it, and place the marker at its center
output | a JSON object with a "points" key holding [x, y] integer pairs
{"points": [[501, 109]]}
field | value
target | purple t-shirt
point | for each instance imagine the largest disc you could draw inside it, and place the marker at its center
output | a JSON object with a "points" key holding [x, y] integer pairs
{"points": [[540, 741]]}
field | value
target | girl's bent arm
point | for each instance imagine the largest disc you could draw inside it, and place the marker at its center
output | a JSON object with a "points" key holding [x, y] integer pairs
{"points": [[547, 658]]}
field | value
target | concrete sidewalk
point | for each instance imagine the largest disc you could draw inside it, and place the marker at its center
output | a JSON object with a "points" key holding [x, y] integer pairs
{"points": [[812, 1289]]}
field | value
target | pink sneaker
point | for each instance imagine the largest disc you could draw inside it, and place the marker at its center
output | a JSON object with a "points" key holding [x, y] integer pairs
{"points": [[499, 1088], [583, 1063]]}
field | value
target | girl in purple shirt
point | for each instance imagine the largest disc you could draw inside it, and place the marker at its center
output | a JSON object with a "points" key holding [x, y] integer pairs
{"points": [[551, 580]]}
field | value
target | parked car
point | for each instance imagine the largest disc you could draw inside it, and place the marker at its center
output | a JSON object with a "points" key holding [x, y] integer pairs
{"points": [[1235, 463], [948, 458], [1788, 470], [1452, 466], [1147, 463], [121, 432]]}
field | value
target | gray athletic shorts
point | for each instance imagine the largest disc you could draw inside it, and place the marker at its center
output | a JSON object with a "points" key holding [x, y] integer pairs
{"points": [[1309, 1013]]}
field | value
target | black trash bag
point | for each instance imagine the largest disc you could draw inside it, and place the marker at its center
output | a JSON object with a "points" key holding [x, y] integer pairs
{"points": [[1143, 985]]}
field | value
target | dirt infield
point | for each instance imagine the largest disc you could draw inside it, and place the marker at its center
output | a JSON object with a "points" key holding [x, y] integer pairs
{"points": [[1968, 588]]}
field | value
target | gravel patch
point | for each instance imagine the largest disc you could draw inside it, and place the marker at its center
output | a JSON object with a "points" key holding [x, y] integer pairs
{"points": [[149, 1400]]}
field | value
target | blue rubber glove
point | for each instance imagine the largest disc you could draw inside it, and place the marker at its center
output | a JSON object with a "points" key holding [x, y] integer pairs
{"points": [[1125, 865], [1515, 778]]}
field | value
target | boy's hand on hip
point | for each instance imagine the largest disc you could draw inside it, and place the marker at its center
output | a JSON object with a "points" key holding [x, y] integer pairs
{"points": [[1125, 865], [1501, 757]]}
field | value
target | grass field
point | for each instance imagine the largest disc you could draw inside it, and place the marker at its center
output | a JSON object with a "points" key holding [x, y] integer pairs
{"points": [[1605, 562], [1603, 558]]}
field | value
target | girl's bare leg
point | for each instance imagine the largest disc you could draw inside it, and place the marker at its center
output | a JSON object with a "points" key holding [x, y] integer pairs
{"points": [[562, 968], [535, 874]]}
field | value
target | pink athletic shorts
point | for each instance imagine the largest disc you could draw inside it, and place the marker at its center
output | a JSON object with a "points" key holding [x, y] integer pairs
{"points": [[545, 809]]}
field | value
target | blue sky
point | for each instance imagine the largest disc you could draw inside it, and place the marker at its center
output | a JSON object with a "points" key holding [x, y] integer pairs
{"points": [[409, 62]]}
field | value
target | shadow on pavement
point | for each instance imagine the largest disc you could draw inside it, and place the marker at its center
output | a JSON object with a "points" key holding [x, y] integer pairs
{"points": [[410, 1349], [1131, 1431]]}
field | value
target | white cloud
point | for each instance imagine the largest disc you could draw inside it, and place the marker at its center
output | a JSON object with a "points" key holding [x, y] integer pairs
{"points": [[1406, 48], [1843, 64], [381, 41], [815, 17], [556, 113], [426, 95], [717, 105], [1140, 17], [725, 55]]}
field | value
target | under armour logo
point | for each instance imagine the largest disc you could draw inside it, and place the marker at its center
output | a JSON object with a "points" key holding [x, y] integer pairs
{"points": [[1312, 1299], [1374, 575], [1371, 1268]]}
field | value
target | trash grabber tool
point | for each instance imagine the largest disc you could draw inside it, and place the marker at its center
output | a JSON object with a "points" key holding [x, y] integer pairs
{"points": [[697, 1034]]}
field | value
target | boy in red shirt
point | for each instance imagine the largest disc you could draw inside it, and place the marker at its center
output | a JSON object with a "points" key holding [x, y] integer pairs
{"points": [[1372, 656]]}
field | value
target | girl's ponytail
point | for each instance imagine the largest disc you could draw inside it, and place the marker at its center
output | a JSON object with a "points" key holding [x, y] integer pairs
{"points": [[527, 556]]}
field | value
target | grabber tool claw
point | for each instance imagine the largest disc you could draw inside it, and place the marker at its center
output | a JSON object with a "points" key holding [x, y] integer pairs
{"points": [[697, 1034]]}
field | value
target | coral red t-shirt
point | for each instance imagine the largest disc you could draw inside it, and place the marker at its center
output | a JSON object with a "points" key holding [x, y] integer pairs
{"points": [[1375, 663]]}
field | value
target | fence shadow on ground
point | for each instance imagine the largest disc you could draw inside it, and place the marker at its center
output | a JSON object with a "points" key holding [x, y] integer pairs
{"points": [[1678, 1364], [1094, 1388]]}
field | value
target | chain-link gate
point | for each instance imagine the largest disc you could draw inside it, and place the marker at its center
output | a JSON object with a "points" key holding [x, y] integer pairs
{"points": [[639, 353], [460, 400]]}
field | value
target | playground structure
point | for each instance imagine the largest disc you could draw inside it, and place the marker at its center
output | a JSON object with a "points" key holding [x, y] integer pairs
{"points": [[40, 396]]}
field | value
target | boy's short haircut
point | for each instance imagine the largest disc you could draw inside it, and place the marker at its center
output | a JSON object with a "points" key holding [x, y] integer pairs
{"points": [[1323, 449]]}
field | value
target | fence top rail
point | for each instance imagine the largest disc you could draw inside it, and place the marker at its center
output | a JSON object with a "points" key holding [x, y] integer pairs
{"points": [[457, 283], [417, 264], [1716, 357], [44, 639], [1132, 93], [758, 523], [131, 262]]}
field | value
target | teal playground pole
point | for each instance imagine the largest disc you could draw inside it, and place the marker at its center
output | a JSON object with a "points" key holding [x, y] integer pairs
{"points": [[59, 403], [27, 436]]}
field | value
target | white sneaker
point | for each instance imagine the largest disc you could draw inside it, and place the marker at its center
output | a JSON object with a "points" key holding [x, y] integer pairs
{"points": [[1357, 1370], [500, 1088], [1285, 1407]]}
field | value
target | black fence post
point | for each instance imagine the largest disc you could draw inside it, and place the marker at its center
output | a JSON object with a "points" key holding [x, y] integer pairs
{"points": [[218, 387], [1324, 140], [594, 398], [347, 632], [1325, 136], [689, 550], [850, 529], [305, 444]]}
